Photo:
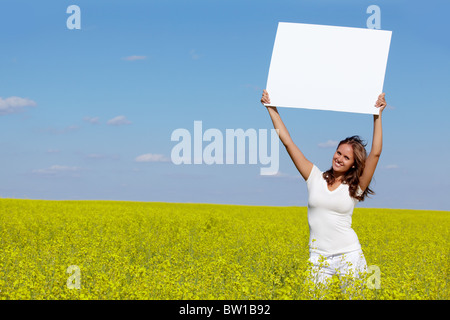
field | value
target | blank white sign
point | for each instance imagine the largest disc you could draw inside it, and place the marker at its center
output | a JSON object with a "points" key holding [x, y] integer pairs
{"points": [[328, 67]]}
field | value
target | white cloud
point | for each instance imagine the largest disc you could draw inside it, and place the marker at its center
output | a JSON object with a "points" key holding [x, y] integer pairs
{"points": [[93, 120], [14, 104], [134, 58], [57, 169], [329, 144], [118, 121], [392, 166], [96, 156], [53, 130], [150, 157], [194, 55]]}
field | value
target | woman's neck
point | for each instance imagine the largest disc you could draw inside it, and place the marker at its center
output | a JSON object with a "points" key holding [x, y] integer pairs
{"points": [[338, 176]]}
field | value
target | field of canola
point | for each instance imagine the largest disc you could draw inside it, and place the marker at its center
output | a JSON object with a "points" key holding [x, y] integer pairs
{"points": [[138, 250]]}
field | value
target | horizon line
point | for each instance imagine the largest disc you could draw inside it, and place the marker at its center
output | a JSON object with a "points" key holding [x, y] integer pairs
{"points": [[205, 203]]}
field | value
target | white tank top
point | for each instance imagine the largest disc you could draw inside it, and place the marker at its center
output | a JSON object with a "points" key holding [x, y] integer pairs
{"points": [[330, 216]]}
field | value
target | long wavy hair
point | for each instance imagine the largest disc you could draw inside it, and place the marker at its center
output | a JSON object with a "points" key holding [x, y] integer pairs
{"points": [[351, 177]]}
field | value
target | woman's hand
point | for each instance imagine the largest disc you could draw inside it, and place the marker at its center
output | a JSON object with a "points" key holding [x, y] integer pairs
{"points": [[265, 97], [381, 103]]}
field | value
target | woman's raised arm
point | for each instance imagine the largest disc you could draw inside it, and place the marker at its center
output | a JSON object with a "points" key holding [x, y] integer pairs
{"points": [[303, 165], [377, 145]]}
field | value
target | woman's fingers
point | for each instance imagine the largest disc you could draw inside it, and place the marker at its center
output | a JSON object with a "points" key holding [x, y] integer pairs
{"points": [[265, 97], [381, 101]]}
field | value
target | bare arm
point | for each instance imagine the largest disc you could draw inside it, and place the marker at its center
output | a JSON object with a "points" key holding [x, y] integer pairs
{"points": [[303, 165], [377, 144]]}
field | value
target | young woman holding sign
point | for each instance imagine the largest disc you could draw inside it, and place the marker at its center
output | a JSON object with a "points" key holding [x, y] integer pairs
{"points": [[333, 245]]}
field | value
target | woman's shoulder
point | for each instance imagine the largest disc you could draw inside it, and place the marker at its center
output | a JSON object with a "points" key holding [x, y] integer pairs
{"points": [[315, 171]]}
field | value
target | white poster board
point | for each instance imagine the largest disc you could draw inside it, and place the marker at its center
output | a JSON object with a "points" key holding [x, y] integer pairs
{"points": [[328, 67]]}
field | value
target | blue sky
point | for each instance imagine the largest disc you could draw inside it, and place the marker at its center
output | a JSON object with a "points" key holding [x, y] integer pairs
{"points": [[79, 107]]}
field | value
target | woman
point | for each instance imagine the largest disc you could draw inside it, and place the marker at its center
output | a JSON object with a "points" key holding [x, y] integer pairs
{"points": [[334, 246]]}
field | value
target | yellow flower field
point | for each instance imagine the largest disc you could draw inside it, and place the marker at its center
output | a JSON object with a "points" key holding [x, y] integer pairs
{"points": [[137, 250]]}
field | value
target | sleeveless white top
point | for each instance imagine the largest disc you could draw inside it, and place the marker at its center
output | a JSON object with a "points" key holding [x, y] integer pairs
{"points": [[330, 216]]}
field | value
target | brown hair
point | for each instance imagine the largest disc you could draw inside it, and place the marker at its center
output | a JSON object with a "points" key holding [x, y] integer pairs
{"points": [[351, 177]]}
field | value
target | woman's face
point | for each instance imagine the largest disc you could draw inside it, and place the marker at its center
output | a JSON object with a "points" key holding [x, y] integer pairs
{"points": [[343, 158]]}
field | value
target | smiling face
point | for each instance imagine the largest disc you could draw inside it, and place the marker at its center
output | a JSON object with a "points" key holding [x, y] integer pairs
{"points": [[343, 158]]}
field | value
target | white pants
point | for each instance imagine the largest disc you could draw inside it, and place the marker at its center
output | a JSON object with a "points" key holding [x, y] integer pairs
{"points": [[324, 266]]}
